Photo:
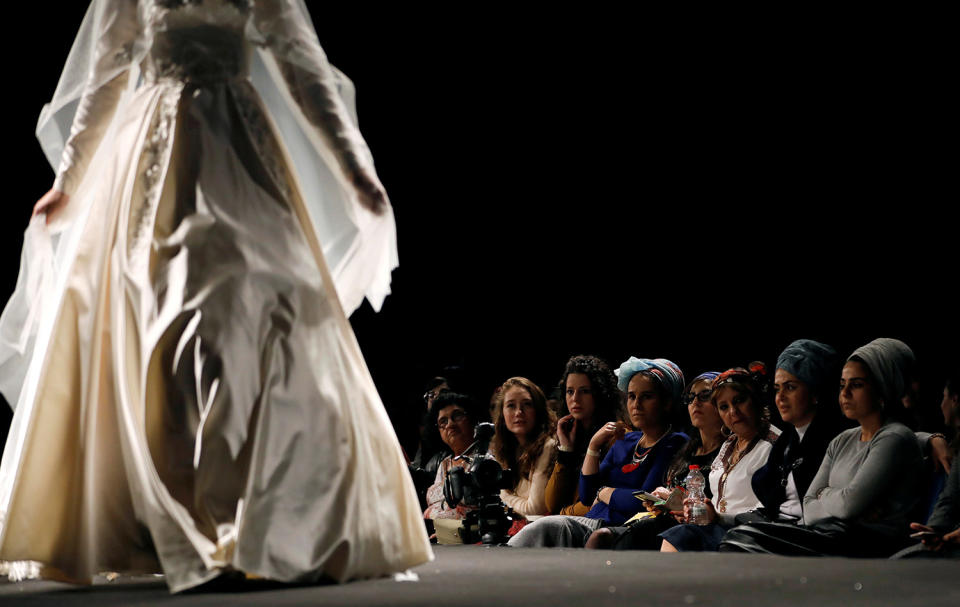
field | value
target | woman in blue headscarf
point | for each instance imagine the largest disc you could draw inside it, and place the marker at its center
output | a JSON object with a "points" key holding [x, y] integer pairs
{"points": [[637, 461], [702, 448]]}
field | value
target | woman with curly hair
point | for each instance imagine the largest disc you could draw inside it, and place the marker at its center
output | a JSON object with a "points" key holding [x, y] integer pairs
{"points": [[592, 399], [637, 460], [524, 443]]}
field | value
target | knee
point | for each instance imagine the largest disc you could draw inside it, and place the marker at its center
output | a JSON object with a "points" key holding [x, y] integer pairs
{"points": [[601, 539]]}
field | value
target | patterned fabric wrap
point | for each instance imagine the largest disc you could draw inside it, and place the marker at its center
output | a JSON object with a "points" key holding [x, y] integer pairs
{"points": [[669, 374], [705, 376], [754, 376], [810, 361]]}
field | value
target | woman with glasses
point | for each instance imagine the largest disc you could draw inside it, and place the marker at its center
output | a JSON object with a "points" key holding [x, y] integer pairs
{"points": [[637, 460], [456, 416], [700, 450], [738, 395], [524, 443], [592, 399]]}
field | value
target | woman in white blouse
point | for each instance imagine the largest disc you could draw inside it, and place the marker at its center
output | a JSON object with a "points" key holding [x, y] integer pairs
{"points": [[738, 394]]}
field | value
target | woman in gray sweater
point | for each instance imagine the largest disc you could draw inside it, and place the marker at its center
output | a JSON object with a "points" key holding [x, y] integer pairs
{"points": [[861, 500]]}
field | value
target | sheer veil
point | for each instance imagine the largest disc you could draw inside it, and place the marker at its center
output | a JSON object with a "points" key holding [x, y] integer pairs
{"points": [[359, 247]]}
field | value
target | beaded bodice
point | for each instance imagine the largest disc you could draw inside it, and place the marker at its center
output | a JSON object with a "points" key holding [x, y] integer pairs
{"points": [[195, 41]]}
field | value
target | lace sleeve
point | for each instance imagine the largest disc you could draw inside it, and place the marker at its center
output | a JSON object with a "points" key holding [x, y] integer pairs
{"points": [[107, 60], [284, 27]]}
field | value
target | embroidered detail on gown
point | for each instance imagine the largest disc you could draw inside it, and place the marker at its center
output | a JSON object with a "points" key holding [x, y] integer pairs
{"points": [[203, 404]]}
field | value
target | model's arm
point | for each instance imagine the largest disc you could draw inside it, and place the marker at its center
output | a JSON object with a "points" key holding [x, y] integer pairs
{"points": [[313, 85], [117, 28], [535, 501]]}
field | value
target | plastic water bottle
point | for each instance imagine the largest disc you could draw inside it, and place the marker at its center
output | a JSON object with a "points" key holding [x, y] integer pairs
{"points": [[695, 484]]}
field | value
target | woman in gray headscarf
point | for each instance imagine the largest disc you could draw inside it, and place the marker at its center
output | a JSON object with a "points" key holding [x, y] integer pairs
{"points": [[860, 501]]}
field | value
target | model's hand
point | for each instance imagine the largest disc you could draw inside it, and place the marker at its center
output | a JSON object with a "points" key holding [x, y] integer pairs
{"points": [[567, 431], [370, 192], [930, 542], [941, 453], [51, 204]]}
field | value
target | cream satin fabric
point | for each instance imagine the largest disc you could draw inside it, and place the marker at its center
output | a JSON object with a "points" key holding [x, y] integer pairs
{"points": [[197, 399]]}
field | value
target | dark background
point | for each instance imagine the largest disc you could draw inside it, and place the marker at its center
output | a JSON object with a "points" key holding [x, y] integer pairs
{"points": [[702, 187]]}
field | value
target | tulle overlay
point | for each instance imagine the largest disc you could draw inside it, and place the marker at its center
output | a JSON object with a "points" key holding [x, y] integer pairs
{"points": [[203, 403]]}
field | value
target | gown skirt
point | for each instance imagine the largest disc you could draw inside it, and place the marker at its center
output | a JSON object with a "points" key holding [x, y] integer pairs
{"points": [[204, 405]]}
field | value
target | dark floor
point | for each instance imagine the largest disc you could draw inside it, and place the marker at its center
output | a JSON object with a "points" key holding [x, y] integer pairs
{"points": [[471, 575]]}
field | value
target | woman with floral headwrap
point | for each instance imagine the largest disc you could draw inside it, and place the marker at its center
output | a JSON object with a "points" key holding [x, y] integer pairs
{"points": [[637, 461], [738, 395], [861, 500]]}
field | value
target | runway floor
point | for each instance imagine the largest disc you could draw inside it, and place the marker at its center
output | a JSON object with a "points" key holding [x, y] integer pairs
{"points": [[471, 575]]}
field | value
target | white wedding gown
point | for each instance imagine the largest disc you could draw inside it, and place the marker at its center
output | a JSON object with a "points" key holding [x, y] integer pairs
{"points": [[190, 397]]}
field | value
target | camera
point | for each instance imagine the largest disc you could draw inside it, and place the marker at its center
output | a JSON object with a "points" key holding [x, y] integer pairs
{"points": [[478, 484]]}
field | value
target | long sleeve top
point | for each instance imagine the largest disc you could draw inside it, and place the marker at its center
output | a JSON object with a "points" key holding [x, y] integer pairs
{"points": [[646, 476], [946, 513], [796, 456], [561, 494], [875, 482], [528, 498], [734, 494]]}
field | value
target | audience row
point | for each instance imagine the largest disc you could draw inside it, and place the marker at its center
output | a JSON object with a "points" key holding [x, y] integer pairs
{"points": [[610, 472]]}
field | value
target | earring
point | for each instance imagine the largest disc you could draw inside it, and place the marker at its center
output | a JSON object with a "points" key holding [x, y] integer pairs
{"points": [[726, 431]]}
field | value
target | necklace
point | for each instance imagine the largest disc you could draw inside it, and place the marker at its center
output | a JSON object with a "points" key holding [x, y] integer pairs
{"points": [[731, 458], [640, 453]]}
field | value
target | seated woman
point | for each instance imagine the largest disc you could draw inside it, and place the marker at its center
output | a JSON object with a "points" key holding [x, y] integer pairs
{"points": [[524, 443], [455, 415], [738, 395], [940, 537], [700, 450], [637, 461], [431, 449], [859, 502], [592, 399], [800, 383]]}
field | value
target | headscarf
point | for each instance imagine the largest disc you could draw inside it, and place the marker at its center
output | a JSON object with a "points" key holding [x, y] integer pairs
{"points": [[668, 373], [890, 361], [705, 376], [810, 361], [754, 377]]}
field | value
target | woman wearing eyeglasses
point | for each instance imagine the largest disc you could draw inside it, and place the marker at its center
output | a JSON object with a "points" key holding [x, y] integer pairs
{"points": [[455, 416], [738, 395], [700, 450]]}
